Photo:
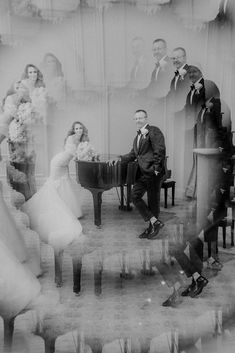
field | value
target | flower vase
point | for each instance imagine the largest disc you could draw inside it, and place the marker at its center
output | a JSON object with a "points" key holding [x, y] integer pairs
{"points": [[21, 169]]}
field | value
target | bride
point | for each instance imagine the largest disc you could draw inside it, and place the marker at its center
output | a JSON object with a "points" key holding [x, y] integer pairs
{"points": [[54, 209]]}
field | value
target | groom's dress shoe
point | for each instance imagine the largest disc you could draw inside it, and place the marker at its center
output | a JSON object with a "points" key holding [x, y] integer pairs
{"points": [[155, 229], [201, 282], [187, 292], [145, 233]]}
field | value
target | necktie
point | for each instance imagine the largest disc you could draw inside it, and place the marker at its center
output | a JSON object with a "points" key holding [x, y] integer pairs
{"points": [[138, 138], [157, 65], [177, 75], [155, 72], [134, 70], [192, 93]]}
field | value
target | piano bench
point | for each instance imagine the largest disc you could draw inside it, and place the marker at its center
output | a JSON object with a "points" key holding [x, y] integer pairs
{"points": [[166, 185], [224, 223]]}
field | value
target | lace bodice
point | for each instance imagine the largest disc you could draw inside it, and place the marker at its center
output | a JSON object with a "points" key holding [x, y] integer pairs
{"points": [[59, 163]]}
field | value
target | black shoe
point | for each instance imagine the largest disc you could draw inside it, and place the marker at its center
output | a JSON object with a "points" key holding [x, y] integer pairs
{"points": [[189, 289], [156, 226], [173, 300], [201, 282], [145, 234]]}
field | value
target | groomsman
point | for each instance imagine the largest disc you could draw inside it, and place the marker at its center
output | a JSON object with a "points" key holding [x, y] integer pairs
{"points": [[196, 95], [139, 75], [161, 75], [180, 83]]}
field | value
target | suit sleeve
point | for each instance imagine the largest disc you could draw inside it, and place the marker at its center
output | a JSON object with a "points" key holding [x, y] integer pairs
{"points": [[159, 148]]}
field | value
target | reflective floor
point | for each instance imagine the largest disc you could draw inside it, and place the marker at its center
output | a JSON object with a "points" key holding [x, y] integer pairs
{"points": [[118, 307]]}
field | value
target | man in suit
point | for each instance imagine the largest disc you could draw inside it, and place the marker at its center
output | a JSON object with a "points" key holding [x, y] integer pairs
{"points": [[175, 102], [196, 95], [180, 83], [139, 75], [149, 153], [161, 75]]}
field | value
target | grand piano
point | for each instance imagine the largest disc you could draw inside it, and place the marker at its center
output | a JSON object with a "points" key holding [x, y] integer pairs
{"points": [[99, 176]]}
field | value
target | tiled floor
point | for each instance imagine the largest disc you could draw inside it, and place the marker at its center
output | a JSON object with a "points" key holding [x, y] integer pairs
{"points": [[124, 313]]}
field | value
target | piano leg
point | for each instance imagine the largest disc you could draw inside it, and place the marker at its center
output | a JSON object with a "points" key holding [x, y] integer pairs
{"points": [[122, 206], [98, 270], [8, 333], [77, 270], [97, 199], [58, 267], [126, 207], [128, 197]]}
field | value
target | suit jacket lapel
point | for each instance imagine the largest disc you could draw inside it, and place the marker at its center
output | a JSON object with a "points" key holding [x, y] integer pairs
{"points": [[135, 144]]}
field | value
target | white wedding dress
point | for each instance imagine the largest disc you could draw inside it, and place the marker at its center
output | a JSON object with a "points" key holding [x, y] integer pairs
{"points": [[54, 209], [18, 286]]}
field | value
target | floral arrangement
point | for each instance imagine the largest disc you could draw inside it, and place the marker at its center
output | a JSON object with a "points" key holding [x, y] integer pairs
{"points": [[26, 114], [86, 152], [20, 155], [17, 132], [16, 175]]}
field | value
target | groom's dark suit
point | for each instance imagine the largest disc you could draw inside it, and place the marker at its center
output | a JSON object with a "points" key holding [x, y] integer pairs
{"points": [[179, 89], [149, 157]]}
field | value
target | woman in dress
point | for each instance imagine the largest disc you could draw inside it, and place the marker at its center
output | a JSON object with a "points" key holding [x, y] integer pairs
{"points": [[54, 209], [54, 78], [32, 78]]}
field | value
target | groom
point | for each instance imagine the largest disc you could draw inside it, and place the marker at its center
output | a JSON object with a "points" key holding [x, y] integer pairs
{"points": [[149, 154]]}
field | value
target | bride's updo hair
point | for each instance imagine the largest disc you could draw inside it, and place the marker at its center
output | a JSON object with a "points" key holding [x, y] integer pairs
{"points": [[39, 82], [84, 136]]}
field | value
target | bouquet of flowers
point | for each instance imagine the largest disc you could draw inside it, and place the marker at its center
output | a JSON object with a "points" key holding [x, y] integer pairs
{"points": [[39, 100], [86, 152], [16, 175], [17, 131], [28, 114]]}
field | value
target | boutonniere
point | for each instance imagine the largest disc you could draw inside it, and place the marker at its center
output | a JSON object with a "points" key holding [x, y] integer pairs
{"points": [[198, 86], [182, 73], [144, 133]]}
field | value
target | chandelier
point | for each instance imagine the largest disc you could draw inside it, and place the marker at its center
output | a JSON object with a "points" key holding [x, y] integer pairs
{"points": [[150, 7], [100, 4]]}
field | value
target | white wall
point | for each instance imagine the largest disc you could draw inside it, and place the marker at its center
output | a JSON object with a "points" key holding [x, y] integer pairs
{"points": [[94, 49]]}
